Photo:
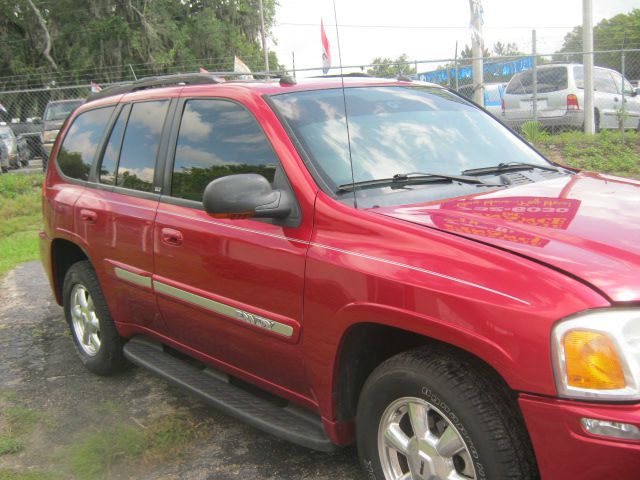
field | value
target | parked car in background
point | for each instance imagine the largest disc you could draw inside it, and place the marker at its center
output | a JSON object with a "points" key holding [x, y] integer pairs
{"points": [[9, 139], [560, 98], [24, 152], [4, 158], [493, 93], [34, 141], [55, 113]]}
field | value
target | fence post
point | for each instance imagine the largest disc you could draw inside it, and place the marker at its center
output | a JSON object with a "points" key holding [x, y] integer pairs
{"points": [[455, 65], [534, 79], [623, 113], [587, 60]]}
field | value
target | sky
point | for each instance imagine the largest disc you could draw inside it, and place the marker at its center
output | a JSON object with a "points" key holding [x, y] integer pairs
{"points": [[423, 29]]}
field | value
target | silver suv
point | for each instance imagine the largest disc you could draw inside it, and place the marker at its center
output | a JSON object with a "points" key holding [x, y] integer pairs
{"points": [[561, 98]]}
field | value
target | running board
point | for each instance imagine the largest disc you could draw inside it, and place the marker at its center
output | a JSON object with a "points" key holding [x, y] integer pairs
{"points": [[290, 423]]}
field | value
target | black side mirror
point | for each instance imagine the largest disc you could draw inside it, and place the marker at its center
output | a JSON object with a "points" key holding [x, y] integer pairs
{"points": [[245, 195]]}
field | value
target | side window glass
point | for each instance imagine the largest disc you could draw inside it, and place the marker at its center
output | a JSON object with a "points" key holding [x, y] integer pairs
{"points": [[112, 150], [140, 145], [218, 138], [628, 89], [81, 143], [603, 81]]}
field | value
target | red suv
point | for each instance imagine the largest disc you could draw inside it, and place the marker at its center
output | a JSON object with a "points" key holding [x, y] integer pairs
{"points": [[387, 262]]}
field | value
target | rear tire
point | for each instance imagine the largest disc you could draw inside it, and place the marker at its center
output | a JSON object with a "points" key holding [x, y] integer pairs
{"points": [[95, 337], [434, 412]]}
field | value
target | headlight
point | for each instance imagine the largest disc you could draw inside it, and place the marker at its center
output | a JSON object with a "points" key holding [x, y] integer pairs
{"points": [[50, 136], [596, 355]]}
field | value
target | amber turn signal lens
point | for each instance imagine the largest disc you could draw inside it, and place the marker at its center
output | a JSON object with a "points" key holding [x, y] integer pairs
{"points": [[592, 361]]}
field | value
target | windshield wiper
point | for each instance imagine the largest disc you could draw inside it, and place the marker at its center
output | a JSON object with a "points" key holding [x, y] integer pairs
{"points": [[510, 166], [411, 178]]}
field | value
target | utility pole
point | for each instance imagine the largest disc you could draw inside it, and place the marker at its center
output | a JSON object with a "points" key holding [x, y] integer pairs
{"points": [[623, 112], [534, 51], [455, 65], [587, 60], [264, 38], [476, 47]]}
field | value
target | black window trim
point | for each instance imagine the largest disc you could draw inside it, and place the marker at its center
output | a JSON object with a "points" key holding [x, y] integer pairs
{"points": [[107, 130], [293, 220]]}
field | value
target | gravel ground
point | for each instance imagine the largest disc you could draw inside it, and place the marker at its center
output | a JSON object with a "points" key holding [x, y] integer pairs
{"points": [[39, 370]]}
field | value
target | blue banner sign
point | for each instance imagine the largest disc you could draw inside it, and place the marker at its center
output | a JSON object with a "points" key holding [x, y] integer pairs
{"points": [[500, 71]]}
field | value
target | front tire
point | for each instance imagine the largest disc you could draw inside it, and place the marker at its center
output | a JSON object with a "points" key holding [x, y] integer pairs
{"points": [[432, 413], [96, 339]]}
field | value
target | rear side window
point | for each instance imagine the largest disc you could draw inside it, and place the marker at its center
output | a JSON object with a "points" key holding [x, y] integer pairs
{"points": [[140, 145], [549, 80], [218, 138], [81, 143], [112, 150]]}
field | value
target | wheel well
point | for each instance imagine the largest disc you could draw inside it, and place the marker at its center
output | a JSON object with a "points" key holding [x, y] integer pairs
{"points": [[64, 254], [367, 345]]}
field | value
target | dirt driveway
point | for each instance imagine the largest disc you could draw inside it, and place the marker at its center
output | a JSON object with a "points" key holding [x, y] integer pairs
{"points": [[59, 421]]}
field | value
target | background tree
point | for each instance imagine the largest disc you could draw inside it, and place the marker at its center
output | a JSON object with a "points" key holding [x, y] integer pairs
{"points": [[609, 34], [508, 49], [386, 67], [77, 41]]}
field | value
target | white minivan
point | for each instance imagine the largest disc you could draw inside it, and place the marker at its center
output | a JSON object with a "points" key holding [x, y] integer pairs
{"points": [[561, 98]]}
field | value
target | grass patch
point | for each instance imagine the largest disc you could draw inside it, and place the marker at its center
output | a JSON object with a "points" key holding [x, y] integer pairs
{"points": [[9, 443], [20, 219], [97, 454], [6, 474], [604, 152], [18, 422], [21, 420]]}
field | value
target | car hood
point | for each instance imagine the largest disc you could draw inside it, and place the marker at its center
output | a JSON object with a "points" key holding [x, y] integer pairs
{"points": [[586, 225]]}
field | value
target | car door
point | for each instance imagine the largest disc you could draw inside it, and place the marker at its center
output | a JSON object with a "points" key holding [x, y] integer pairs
{"points": [[117, 210], [631, 112], [605, 98], [230, 291]]}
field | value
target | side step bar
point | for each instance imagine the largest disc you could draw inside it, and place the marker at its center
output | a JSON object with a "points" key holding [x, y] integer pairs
{"points": [[289, 423]]}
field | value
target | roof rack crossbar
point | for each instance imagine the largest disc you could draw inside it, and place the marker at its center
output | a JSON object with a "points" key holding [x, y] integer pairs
{"points": [[156, 82]]}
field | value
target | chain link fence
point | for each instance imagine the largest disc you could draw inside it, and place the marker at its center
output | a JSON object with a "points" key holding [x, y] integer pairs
{"points": [[524, 91]]}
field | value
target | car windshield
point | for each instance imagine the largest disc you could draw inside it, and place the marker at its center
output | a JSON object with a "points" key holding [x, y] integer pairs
{"points": [[395, 130], [60, 111]]}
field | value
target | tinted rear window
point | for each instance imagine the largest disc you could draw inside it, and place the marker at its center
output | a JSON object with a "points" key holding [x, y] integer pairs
{"points": [[81, 142], [549, 80], [140, 145]]}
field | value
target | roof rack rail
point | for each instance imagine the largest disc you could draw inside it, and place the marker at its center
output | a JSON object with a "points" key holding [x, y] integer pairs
{"points": [[156, 82], [337, 75]]}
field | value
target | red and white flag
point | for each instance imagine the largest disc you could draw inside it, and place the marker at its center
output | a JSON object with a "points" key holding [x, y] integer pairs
{"points": [[326, 52], [95, 88]]}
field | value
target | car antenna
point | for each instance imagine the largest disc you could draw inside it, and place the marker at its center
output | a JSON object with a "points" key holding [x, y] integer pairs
{"points": [[344, 100]]}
